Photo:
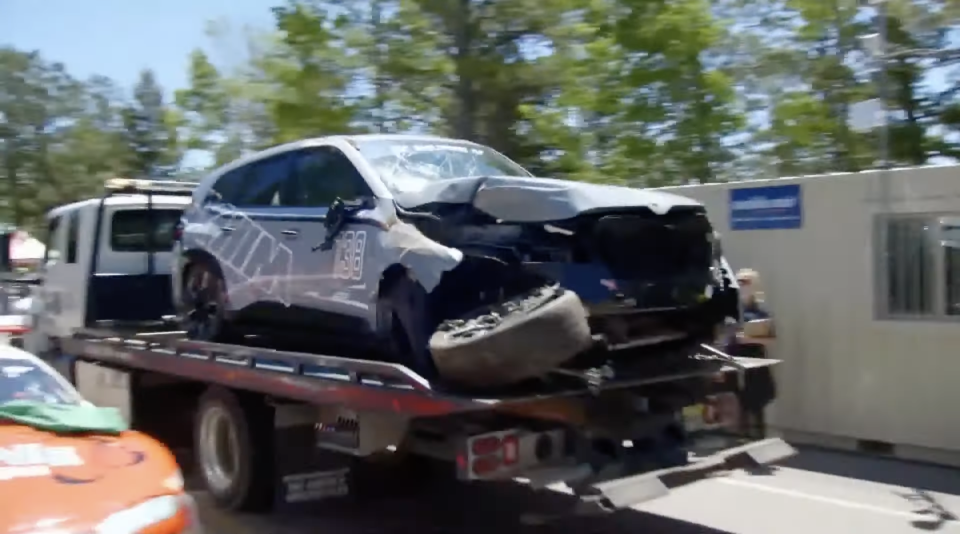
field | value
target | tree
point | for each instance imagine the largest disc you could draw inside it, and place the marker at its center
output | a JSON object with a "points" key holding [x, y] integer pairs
{"points": [[309, 84], [204, 104], [37, 102], [150, 130]]}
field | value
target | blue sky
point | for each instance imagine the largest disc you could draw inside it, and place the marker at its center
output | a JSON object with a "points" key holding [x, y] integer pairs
{"points": [[118, 38]]}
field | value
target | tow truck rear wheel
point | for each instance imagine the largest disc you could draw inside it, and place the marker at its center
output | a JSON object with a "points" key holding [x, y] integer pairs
{"points": [[233, 444]]}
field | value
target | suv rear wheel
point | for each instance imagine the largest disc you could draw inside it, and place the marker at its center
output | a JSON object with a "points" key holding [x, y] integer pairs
{"points": [[203, 304]]}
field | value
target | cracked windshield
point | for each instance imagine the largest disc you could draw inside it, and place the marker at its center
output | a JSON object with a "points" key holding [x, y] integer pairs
{"points": [[475, 265], [409, 165]]}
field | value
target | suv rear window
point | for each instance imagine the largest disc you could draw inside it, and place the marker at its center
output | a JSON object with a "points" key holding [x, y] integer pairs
{"points": [[128, 230]]}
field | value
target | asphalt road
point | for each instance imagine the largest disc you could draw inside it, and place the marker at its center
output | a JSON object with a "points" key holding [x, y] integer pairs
{"points": [[817, 492]]}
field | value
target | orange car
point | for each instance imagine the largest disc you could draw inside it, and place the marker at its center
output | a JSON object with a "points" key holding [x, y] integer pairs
{"points": [[68, 467]]}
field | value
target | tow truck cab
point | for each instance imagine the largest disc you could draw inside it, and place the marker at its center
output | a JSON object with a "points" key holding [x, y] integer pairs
{"points": [[99, 266]]}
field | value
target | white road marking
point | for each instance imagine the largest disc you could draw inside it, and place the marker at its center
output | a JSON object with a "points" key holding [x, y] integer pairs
{"points": [[826, 500]]}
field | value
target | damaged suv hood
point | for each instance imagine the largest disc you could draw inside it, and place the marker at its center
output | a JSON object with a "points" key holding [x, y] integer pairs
{"points": [[517, 199]]}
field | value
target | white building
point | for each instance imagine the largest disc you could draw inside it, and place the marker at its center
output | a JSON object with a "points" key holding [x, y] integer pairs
{"points": [[862, 273]]}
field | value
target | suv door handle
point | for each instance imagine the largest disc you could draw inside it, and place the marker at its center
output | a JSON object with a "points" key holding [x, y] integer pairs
{"points": [[227, 228], [290, 232]]}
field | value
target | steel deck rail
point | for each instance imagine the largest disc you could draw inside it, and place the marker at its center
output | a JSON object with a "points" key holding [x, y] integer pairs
{"points": [[320, 379]]}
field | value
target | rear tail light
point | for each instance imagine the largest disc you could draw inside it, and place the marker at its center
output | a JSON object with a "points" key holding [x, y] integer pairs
{"points": [[485, 465], [490, 453], [178, 231], [486, 445]]}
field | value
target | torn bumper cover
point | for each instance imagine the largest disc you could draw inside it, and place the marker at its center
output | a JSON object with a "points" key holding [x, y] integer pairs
{"points": [[403, 244]]}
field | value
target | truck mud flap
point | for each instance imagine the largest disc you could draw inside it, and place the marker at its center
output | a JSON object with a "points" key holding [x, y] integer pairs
{"points": [[633, 490]]}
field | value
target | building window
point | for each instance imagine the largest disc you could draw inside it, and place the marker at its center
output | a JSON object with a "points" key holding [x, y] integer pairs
{"points": [[950, 247], [920, 266]]}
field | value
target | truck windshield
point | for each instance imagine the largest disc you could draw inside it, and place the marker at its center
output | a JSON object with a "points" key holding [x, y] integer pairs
{"points": [[25, 380], [409, 164]]}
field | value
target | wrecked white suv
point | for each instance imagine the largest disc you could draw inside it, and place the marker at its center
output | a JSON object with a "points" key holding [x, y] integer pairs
{"points": [[447, 257]]}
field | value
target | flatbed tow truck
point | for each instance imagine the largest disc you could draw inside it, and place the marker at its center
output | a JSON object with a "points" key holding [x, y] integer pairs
{"points": [[285, 429]]}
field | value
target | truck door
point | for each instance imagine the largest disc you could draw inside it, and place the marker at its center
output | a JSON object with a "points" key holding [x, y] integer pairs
{"points": [[333, 274], [62, 292]]}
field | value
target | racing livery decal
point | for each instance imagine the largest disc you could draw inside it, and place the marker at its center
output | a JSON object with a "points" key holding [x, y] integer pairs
{"points": [[83, 462], [247, 249], [348, 255], [35, 460]]}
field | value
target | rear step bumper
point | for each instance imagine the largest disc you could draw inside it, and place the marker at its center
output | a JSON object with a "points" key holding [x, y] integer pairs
{"points": [[633, 490]]}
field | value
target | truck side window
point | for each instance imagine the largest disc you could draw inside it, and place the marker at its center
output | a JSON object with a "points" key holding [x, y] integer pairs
{"points": [[73, 236], [129, 230], [52, 254], [324, 174]]}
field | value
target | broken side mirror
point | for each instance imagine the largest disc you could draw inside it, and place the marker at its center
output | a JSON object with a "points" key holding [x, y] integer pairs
{"points": [[335, 215], [340, 210], [338, 214]]}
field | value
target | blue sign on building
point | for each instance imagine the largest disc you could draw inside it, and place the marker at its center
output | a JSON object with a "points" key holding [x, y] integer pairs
{"points": [[772, 207]]}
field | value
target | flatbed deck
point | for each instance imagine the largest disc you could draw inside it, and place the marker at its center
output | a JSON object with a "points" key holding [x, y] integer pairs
{"points": [[361, 384]]}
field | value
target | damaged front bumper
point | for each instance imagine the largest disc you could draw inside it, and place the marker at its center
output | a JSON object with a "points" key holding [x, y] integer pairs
{"points": [[645, 278], [629, 314]]}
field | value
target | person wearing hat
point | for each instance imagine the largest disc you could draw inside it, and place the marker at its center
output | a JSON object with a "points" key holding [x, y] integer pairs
{"points": [[757, 389]]}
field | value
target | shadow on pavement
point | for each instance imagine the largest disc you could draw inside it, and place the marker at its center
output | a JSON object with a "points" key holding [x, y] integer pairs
{"points": [[922, 477], [461, 510]]}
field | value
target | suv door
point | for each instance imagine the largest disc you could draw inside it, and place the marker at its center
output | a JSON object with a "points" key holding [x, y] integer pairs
{"points": [[254, 254], [335, 278]]}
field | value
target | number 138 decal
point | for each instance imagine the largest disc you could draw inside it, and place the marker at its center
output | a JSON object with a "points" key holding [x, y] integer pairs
{"points": [[348, 255]]}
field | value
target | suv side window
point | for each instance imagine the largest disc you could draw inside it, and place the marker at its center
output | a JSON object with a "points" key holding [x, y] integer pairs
{"points": [[323, 174], [263, 185], [229, 185]]}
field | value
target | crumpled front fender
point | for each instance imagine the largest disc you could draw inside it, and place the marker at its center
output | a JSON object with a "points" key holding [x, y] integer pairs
{"points": [[403, 244]]}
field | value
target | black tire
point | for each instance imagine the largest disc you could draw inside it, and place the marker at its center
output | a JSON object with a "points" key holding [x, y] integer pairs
{"points": [[405, 305], [203, 304], [534, 333], [249, 485]]}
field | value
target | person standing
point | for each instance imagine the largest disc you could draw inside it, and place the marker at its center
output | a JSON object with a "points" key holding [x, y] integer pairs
{"points": [[758, 389]]}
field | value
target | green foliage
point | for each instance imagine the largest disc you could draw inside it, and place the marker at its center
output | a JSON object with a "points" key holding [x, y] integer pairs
{"points": [[636, 92]]}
